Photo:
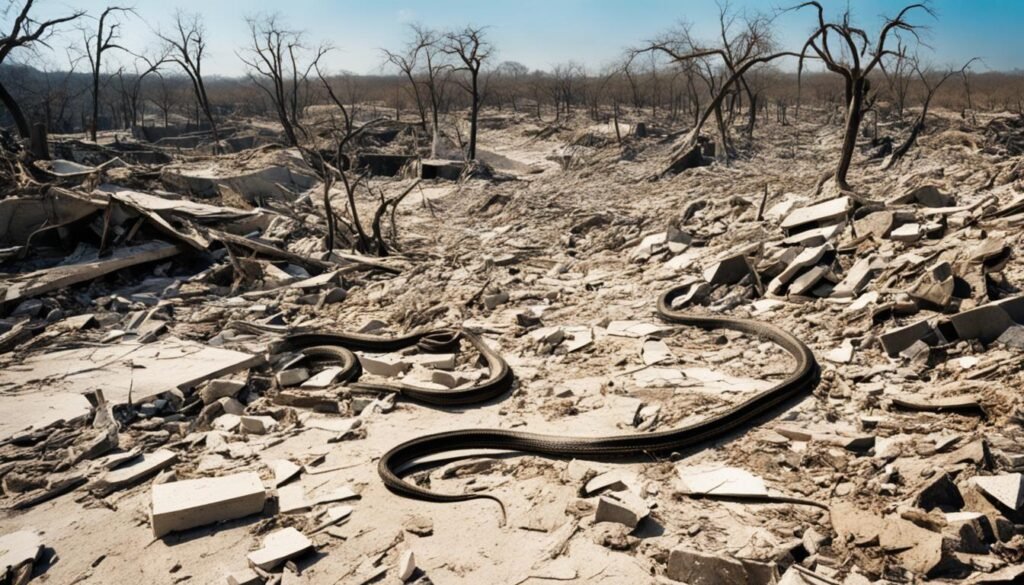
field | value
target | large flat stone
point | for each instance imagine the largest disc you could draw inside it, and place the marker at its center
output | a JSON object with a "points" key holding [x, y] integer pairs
{"points": [[197, 502]]}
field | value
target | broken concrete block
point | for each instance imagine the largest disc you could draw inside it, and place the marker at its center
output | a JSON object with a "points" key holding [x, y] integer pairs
{"points": [[231, 406], [245, 577], [803, 284], [987, 322], [384, 365], [609, 481], [142, 467], [284, 471], [803, 260], [636, 329], [17, 548], [278, 547], [877, 224], [939, 492], [731, 270], [493, 301], [220, 388], [258, 425], [322, 379], [1007, 489], [899, 339], [291, 499], [842, 354], [624, 508], [197, 502], [859, 275], [926, 196], [720, 480], [908, 232], [698, 568], [292, 377], [227, 422], [406, 565], [440, 361], [818, 214], [655, 351]]}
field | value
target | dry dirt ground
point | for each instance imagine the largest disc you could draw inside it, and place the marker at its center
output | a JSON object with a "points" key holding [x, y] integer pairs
{"points": [[891, 448]]}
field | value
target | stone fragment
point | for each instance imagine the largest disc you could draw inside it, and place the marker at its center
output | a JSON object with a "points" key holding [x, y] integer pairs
{"points": [[802, 261], [655, 351], [197, 502], [406, 565], [336, 495], [988, 322], [292, 377], [258, 425], [245, 577], [384, 365], [636, 329], [859, 275], [624, 508], [142, 467], [720, 480], [492, 301], [731, 270], [896, 340], [842, 354], [939, 492], [284, 471], [278, 547], [1007, 489], [908, 232], [291, 499], [608, 481], [803, 284], [878, 224], [697, 568], [817, 214], [323, 379], [231, 406], [17, 548], [220, 388], [419, 525]]}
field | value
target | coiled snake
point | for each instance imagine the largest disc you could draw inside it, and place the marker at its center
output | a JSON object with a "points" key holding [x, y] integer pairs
{"points": [[801, 380]]}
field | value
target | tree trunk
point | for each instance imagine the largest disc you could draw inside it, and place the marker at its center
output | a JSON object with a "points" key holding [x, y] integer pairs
{"points": [[474, 112], [12, 106], [854, 114]]}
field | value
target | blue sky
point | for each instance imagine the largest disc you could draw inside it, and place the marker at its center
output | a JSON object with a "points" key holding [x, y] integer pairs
{"points": [[541, 33]]}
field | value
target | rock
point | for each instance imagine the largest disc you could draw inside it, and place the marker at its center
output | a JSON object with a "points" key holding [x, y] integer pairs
{"points": [[227, 422], [284, 471], [720, 480], [336, 495], [278, 547], [406, 565], [322, 379], [17, 548], [877, 223], [731, 270], [624, 508], [220, 388], [608, 481], [842, 354], [197, 502], [291, 499], [908, 232], [231, 406], [142, 467], [636, 329], [419, 525], [926, 196], [292, 377], [335, 295], [940, 492], [918, 549], [818, 214], [803, 284], [857, 278], [971, 529], [802, 261], [258, 425], [813, 540], [384, 365], [441, 361], [655, 351], [1012, 337], [988, 322], [896, 340], [245, 577], [493, 301], [698, 568], [1007, 489]]}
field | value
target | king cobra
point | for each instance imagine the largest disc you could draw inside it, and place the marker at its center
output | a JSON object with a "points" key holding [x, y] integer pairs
{"points": [[801, 380]]}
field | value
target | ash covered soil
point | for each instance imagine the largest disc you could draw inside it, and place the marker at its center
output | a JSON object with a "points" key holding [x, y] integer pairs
{"points": [[903, 463]]}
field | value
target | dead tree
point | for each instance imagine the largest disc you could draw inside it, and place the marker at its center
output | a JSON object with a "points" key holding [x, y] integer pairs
{"points": [[930, 88], [24, 32], [739, 52], [471, 50], [855, 58], [407, 64], [186, 44], [96, 44], [130, 86], [898, 75], [274, 67]]}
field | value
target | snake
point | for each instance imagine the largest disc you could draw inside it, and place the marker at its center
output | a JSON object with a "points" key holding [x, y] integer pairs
{"points": [[339, 348], [800, 381]]}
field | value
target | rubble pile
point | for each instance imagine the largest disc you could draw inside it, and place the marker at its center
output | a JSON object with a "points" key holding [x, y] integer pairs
{"points": [[155, 428]]}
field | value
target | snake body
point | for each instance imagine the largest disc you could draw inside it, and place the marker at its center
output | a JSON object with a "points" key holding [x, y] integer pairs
{"points": [[338, 347], [801, 380]]}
